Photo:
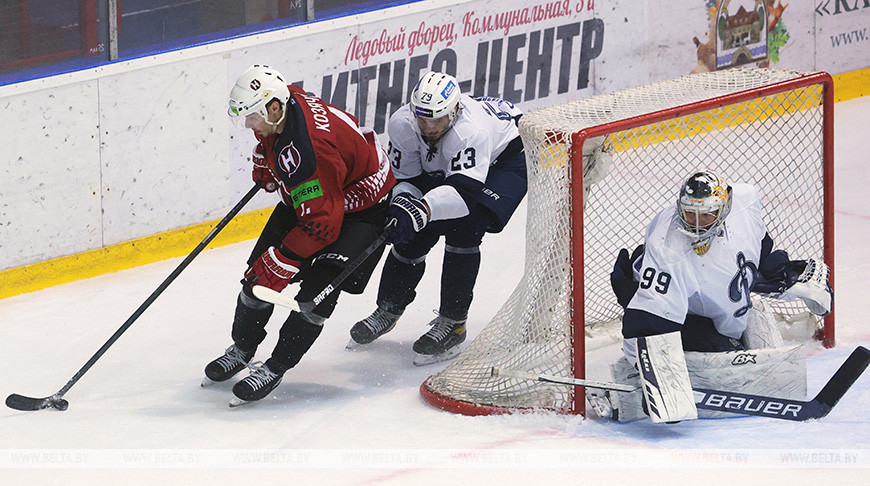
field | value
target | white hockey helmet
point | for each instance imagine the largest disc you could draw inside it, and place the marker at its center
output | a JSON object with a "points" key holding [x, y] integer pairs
{"points": [[253, 91], [436, 95], [703, 205]]}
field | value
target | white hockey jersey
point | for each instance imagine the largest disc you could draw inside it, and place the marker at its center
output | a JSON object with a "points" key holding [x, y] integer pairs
{"points": [[675, 281], [480, 132]]}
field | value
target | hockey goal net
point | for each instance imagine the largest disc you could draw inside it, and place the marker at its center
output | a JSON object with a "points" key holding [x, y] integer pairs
{"points": [[771, 128]]}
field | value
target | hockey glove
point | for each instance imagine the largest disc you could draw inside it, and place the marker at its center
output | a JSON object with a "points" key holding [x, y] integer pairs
{"points": [[272, 270], [261, 172], [622, 278], [813, 288], [804, 279], [410, 215], [775, 282]]}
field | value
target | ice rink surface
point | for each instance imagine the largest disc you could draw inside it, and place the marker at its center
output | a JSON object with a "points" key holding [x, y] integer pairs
{"points": [[355, 417]]}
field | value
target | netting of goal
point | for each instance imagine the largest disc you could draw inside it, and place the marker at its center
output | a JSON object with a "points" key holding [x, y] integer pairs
{"points": [[771, 128]]}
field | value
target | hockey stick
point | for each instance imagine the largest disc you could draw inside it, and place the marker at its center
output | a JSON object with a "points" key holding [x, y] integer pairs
{"points": [[268, 295], [56, 401], [786, 409], [523, 375], [748, 404]]}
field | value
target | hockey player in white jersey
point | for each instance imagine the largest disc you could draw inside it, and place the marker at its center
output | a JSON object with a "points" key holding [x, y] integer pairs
{"points": [[461, 170], [688, 287]]}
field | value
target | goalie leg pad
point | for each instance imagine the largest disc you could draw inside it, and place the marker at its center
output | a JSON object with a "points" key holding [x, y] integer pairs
{"points": [[630, 404], [778, 372], [761, 329], [665, 378]]}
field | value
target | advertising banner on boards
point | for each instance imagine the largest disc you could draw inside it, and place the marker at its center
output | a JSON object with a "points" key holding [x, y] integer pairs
{"points": [[547, 52]]}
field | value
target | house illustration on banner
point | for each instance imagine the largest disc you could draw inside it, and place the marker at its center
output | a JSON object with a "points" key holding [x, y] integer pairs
{"points": [[741, 37]]}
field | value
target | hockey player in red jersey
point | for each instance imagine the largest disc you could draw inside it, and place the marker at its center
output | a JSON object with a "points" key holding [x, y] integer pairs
{"points": [[333, 179]]}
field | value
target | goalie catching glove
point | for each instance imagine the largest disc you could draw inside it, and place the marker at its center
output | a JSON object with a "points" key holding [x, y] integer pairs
{"points": [[803, 279], [812, 287], [410, 214], [272, 270]]}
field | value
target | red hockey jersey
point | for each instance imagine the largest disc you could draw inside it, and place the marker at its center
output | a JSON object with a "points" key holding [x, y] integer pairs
{"points": [[325, 165]]}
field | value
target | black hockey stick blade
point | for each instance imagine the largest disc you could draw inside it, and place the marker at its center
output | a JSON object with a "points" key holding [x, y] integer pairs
{"points": [[20, 402], [781, 408], [843, 379]]}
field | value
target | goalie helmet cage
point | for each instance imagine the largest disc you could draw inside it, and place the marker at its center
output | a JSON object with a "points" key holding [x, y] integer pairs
{"points": [[772, 128]]}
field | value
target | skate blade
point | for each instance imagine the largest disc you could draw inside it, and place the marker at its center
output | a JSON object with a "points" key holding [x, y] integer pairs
{"points": [[206, 382], [351, 344], [238, 402], [427, 359]]}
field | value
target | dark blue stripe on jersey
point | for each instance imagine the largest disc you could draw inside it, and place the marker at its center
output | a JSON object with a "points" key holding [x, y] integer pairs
{"points": [[513, 148], [636, 323], [296, 132], [467, 188]]}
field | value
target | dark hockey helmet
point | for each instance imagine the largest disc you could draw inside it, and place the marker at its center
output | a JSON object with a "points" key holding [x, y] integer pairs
{"points": [[703, 205]]}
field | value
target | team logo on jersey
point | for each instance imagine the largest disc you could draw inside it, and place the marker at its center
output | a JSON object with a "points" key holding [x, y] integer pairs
{"points": [[741, 284], [289, 159]]}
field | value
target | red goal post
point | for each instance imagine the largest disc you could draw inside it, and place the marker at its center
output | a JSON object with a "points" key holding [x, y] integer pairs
{"points": [[772, 128]]}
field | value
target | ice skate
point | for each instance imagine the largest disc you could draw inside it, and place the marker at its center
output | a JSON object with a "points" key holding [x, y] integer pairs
{"points": [[257, 385], [226, 366], [602, 402], [372, 327], [441, 343]]}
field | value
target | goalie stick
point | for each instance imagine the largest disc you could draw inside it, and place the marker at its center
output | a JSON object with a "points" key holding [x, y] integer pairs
{"points": [[56, 401], [524, 375], [745, 403]]}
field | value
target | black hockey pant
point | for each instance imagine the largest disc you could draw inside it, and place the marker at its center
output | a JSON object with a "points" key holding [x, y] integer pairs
{"points": [[301, 329]]}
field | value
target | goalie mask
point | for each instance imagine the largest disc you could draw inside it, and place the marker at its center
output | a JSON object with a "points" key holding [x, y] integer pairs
{"points": [[703, 205], [252, 93], [435, 104]]}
